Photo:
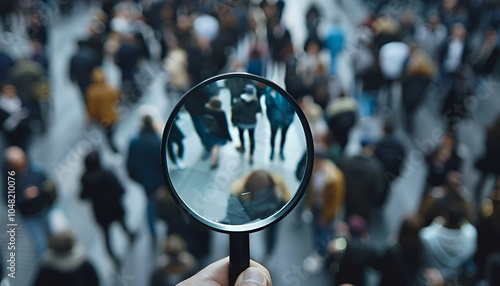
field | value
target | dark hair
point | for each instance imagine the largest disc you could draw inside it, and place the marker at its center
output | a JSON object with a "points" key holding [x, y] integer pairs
{"points": [[62, 242], [258, 180], [92, 161], [147, 122], [388, 127], [409, 230]]}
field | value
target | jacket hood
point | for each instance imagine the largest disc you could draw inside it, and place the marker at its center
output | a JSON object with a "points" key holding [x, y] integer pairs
{"points": [[65, 262], [451, 247]]}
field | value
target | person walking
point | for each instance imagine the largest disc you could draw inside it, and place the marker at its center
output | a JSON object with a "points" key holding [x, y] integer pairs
{"points": [[102, 187], [244, 114], [280, 114]]}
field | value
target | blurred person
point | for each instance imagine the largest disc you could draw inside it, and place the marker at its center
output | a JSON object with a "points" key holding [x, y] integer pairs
{"points": [[357, 255], [196, 236], [385, 30], [279, 40], [258, 195], [312, 72], [39, 56], [454, 109], [486, 60], [6, 62], [29, 78], [364, 181], [401, 260], [217, 274], [65, 263], [37, 30], [407, 25], [280, 114], [35, 194], [391, 154], [434, 200], [215, 122], [105, 191], [142, 165], [244, 117], [256, 58], [448, 242], [488, 163], [202, 62], [195, 107], [342, 115], [420, 71], [393, 58], [96, 34], [126, 58], [443, 159], [102, 103], [174, 264], [175, 137], [431, 36], [488, 233], [81, 65], [313, 19], [175, 64], [452, 12], [15, 117], [334, 42], [325, 199], [453, 54]]}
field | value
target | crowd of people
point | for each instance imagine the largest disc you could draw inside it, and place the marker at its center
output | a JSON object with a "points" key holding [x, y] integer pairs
{"points": [[446, 49]]}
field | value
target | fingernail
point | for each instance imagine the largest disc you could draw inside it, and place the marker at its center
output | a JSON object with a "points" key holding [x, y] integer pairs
{"points": [[254, 276]]}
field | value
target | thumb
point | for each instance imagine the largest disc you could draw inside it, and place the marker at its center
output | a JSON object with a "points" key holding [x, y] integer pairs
{"points": [[253, 276]]}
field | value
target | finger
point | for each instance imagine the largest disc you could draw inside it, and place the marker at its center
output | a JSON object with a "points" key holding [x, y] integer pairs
{"points": [[256, 274]]}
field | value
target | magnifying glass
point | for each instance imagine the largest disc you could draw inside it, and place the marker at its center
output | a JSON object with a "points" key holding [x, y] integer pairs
{"points": [[237, 155]]}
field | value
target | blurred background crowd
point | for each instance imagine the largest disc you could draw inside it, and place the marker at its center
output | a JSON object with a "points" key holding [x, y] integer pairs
{"points": [[401, 96]]}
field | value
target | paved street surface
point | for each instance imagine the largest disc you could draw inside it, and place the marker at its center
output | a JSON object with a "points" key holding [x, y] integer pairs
{"points": [[61, 152]]}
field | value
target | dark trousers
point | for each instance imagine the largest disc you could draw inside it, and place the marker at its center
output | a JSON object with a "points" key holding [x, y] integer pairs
{"points": [[274, 131], [251, 135]]}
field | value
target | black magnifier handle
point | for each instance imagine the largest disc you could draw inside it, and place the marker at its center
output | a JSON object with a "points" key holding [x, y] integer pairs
{"points": [[239, 255]]}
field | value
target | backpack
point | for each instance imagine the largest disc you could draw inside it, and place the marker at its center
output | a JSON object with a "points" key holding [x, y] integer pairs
{"points": [[211, 124]]}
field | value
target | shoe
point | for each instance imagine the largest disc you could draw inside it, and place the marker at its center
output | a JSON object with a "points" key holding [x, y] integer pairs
{"points": [[214, 166], [282, 156], [240, 149], [271, 157], [250, 160], [180, 165]]}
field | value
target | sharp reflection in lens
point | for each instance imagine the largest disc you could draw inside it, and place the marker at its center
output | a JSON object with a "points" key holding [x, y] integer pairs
{"points": [[233, 151]]}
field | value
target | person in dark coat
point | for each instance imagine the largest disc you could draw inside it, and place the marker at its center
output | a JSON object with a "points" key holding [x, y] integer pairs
{"points": [[196, 235], [6, 63], [280, 114], [35, 194], [217, 129], [65, 263], [488, 233], [143, 166], [358, 254], [102, 187], [442, 160], [82, 63], [489, 163], [126, 59], [364, 182], [342, 114], [257, 196], [195, 106], [486, 61], [391, 154], [244, 116], [400, 262], [15, 117], [175, 137]]}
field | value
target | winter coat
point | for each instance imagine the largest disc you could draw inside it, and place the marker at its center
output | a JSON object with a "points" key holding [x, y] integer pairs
{"points": [[216, 123], [332, 193], [105, 191], [413, 91], [81, 66], [71, 268], [143, 162], [279, 111], [447, 249], [33, 206], [390, 153], [102, 100], [364, 185], [6, 63], [244, 113]]}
